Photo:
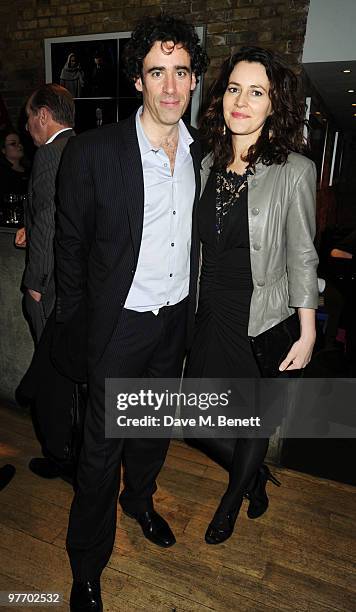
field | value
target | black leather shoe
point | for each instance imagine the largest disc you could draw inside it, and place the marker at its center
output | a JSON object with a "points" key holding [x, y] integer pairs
{"points": [[257, 494], [86, 597], [222, 526], [154, 528], [46, 468], [6, 474]]}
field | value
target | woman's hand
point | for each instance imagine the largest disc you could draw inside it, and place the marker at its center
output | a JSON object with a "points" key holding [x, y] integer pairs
{"points": [[299, 355], [301, 352]]}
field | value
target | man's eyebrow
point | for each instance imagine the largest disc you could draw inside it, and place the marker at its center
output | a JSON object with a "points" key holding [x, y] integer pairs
{"points": [[239, 85], [163, 68]]}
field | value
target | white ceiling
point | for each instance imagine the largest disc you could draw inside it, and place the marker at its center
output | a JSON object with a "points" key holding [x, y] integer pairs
{"points": [[329, 48]]}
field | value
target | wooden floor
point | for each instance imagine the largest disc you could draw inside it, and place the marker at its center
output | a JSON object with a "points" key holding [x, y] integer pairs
{"points": [[301, 555]]}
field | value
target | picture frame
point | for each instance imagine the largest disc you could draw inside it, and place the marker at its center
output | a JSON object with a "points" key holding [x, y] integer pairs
{"points": [[90, 67]]}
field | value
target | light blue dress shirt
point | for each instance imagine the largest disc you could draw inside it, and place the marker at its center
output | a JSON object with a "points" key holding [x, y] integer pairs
{"points": [[162, 273]]}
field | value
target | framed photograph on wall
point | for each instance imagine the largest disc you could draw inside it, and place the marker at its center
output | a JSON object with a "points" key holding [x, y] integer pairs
{"points": [[90, 67]]}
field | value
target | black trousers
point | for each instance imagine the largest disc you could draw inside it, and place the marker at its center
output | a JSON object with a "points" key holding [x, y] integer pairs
{"points": [[143, 345]]}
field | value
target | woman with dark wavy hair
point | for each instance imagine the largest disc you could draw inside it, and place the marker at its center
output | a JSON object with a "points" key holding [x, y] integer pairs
{"points": [[14, 174], [256, 224]]}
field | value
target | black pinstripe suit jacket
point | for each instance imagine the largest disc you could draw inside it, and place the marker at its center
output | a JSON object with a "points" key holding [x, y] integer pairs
{"points": [[100, 220], [40, 219]]}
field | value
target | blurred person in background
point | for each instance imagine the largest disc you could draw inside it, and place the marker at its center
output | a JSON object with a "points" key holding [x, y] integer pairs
{"points": [[50, 119], [14, 173]]}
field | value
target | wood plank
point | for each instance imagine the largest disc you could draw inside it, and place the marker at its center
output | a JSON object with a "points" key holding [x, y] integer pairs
{"points": [[318, 591], [305, 557], [263, 594], [340, 547], [300, 556], [339, 523], [32, 561], [190, 580], [25, 484], [141, 595]]}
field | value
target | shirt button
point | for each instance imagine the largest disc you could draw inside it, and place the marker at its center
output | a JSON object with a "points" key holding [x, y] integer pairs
{"points": [[256, 247], [165, 165], [255, 211], [253, 182], [172, 243], [261, 283], [167, 303], [170, 276], [174, 212]]}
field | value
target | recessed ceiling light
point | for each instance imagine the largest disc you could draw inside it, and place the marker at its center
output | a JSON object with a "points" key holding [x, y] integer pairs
{"points": [[347, 70], [317, 112], [354, 114], [350, 91], [354, 104]]}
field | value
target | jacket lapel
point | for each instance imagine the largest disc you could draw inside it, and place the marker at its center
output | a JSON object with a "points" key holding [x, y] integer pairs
{"points": [[195, 151], [132, 178]]}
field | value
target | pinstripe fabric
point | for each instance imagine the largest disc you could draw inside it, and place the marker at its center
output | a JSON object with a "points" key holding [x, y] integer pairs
{"points": [[40, 220], [100, 219]]}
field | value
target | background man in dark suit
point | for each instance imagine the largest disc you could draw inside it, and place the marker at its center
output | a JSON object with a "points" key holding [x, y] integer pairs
{"points": [[126, 247], [50, 119]]}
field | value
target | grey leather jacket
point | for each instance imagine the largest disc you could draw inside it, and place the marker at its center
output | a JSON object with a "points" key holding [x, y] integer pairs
{"points": [[281, 217]]}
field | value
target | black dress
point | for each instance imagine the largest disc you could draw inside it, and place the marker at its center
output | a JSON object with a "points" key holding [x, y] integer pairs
{"points": [[221, 348]]}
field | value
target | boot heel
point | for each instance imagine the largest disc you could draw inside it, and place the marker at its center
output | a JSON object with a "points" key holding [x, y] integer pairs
{"points": [[272, 478], [257, 494]]}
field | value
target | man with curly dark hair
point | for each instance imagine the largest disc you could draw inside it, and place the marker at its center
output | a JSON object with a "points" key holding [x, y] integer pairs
{"points": [[127, 249], [164, 29]]}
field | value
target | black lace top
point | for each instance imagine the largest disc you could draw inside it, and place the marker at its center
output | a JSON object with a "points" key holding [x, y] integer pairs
{"points": [[229, 187]]}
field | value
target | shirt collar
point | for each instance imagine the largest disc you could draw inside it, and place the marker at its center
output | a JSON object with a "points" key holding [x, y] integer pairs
{"points": [[56, 134], [185, 138]]}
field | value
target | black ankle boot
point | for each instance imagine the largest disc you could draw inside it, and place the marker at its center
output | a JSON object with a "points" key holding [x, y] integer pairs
{"points": [[257, 494], [222, 524]]}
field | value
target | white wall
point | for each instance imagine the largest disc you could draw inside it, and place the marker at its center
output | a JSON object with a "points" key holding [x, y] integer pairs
{"points": [[331, 31]]}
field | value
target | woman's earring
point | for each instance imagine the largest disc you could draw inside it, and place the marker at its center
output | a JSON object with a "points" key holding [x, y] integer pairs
{"points": [[224, 130]]}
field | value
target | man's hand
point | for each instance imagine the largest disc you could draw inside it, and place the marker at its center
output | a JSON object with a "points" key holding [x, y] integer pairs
{"points": [[36, 295], [20, 238]]}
